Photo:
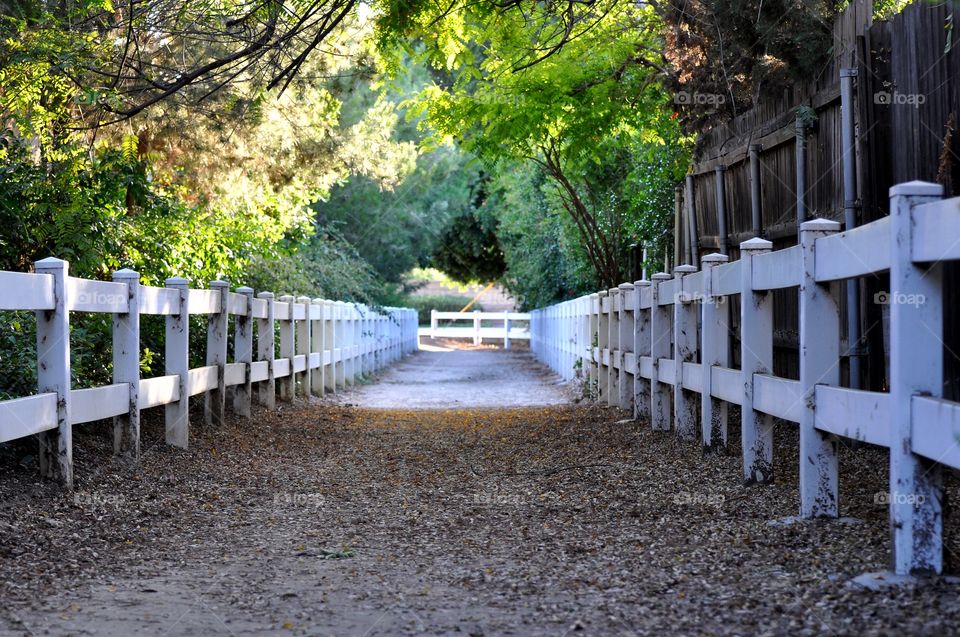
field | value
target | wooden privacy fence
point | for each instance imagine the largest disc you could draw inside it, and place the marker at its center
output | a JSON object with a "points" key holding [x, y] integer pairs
{"points": [[323, 345], [661, 348], [508, 330]]}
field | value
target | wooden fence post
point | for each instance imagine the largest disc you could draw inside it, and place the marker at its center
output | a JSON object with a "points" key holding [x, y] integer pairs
{"points": [[303, 346], [916, 368], [715, 351], [659, 348], [53, 374], [287, 350], [685, 345], [177, 362], [317, 345], [593, 375], [243, 353], [266, 351], [330, 343], [215, 400], [603, 342], [613, 344], [641, 345], [756, 357], [819, 365], [477, 338], [626, 342], [126, 366]]}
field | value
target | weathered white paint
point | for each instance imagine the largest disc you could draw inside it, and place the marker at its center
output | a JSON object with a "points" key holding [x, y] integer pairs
{"points": [[177, 362], [660, 349], [778, 270], [243, 351], [715, 351], [215, 400], [916, 368], [266, 350], [936, 229], [685, 343], [819, 364], [756, 357], [853, 253], [126, 362], [779, 397], [53, 373], [854, 414]]}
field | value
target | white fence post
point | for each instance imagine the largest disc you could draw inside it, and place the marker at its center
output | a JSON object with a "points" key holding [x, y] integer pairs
{"points": [[641, 344], [593, 376], [603, 341], [715, 351], [756, 357], [243, 353], [819, 365], [506, 329], [659, 348], [330, 342], [477, 338], [266, 351], [53, 374], [303, 347], [685, 345], [626, 342], [434, 323], [177, 362], [287, 351], [126, 365], [317, 345], [916, 368], [215, 400], [613, 344]]}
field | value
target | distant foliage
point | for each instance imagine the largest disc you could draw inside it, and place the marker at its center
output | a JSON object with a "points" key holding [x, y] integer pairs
{"points": [[441, 303]]}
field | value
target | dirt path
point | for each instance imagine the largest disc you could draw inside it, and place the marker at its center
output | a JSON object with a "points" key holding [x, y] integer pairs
{"points": [[447, 375], [328, 520]]}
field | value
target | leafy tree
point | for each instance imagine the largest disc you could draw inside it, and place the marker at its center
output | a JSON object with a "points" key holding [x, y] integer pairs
{"points": [[570, 91]]}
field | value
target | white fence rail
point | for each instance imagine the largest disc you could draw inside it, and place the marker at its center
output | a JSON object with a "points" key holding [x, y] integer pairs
{"points": [[655, 346], [509, 330], [323, 346]]}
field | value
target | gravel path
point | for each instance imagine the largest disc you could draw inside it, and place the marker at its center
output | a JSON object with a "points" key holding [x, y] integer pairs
{"points": [[334, 520], [450, 375]]}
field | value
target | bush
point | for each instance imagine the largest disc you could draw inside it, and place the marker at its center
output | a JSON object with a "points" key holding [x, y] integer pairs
{"points": [[438, 302]]}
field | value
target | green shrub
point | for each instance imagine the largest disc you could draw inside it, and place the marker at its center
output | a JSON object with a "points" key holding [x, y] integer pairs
{"points": [[439, 302]]}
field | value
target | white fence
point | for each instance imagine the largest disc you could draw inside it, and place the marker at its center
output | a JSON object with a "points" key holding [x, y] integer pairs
{"points": [[509, 330], [323, 346], [656, 346]]}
